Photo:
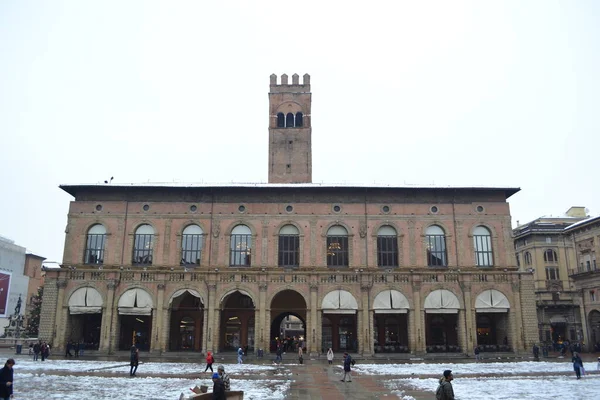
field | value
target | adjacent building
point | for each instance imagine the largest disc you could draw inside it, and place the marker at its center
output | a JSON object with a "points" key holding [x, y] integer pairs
{"points": [[20, 276], [366, 269], [585, 237]]}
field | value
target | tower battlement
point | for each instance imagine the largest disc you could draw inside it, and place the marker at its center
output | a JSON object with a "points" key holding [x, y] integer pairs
{"points": [[286, 86]]}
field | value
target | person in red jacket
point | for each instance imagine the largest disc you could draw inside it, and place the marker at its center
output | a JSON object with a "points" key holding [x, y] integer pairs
{"points": [[209, 362]]}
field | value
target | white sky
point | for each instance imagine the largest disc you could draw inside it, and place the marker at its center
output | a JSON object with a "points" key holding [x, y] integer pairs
{"points": [[451, 93]]}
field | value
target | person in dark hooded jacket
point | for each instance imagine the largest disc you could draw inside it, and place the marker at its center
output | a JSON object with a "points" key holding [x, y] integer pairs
{"points": [[6, 380], [445, 390]]}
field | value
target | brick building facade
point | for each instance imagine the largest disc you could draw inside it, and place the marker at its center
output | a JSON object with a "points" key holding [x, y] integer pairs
{"points": [[366, 269]]}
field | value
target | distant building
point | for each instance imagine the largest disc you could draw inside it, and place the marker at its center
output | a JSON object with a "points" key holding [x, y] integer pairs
{"points": [[585, 237], [548, 247], [367, 269], [19, 273]]}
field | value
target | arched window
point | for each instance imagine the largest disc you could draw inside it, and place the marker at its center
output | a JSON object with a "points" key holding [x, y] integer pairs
{"points": [[436, 247], [289, 246], [299, 121], [94, 248], [550, 256], [289, 120], [142, 245], [241, 246], [527, 258], [191, 245], [482, 242], [280, 120], [387, 247], [337, 246]]}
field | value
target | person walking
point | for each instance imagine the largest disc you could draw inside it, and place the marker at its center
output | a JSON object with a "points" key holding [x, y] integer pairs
{"points": [[6, 380], [209, 362], [278, 353], [347, 369], [445, 390], [240, 353], [36, 351], [134, 359], [536, 351], [577, 364], [476, 351], [224, 378], [300, 357], [218, 387], [330, 356]]}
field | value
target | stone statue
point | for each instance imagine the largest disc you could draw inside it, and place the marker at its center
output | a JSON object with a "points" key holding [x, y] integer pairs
{"points": [[18, 307]]}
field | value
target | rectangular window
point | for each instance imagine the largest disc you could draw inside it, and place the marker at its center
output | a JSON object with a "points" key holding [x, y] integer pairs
{"points": [[191, 249], [240, 254], [289, 250], [142, 249], [436, 251], [337, 251], [592, 295], [518, 261], [552, 274], [483, 250], [588, 265], [94, 251], [387, 251], [548, 240]]}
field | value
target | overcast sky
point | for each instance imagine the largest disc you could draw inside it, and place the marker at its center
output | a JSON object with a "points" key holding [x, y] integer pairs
{"points": [[503, 93]]}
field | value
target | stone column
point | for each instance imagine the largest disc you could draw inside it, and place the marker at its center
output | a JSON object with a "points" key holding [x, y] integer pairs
{"points": [[364, 334], [211, 343], [61, 315], [262, 326], [519, 340], [159, 331], [204, 345], [470, 329], [418, 319], [107, 316], [313, 328], [584, 322], [461, 330]]}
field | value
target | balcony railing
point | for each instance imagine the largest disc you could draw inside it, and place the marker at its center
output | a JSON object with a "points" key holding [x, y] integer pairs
{"points": [[583, 270]]}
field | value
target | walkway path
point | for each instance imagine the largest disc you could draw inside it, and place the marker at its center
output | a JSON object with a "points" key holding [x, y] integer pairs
{"points": [[319, 382]]}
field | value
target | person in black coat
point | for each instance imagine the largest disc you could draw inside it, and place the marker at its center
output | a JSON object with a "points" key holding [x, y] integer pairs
{"points": [[6, 380], [134, 360], [218, 387]]}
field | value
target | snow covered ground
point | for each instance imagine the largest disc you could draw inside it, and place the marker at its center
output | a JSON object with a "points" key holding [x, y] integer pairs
{"points": [[506, 388], [73, 379], [56, 379], [561, 384], [481, 368]]}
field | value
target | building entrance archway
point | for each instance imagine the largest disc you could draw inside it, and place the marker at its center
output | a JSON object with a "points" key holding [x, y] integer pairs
{"points": [[187, 319], [288, 320], [237, 322]]}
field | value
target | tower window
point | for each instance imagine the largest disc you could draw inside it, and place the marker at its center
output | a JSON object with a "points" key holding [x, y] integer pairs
{"points": [[289, 120], [280, 120], [299, 121]]}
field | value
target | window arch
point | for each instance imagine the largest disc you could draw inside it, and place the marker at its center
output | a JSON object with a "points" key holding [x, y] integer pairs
{"points": [[241, 246], [280, 120], [289, 246], [142, 246], [436, 246], [299, 120], [337, 246], [527, 257], [550, 256], [387, 247], [289, 120], [94, 247], [191, 245], [482, 243]]}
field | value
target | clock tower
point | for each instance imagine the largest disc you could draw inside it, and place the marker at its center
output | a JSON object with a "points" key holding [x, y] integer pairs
{"points": [[290, 159]]}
